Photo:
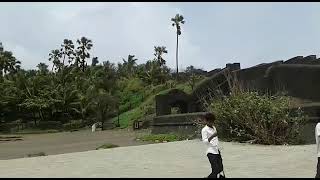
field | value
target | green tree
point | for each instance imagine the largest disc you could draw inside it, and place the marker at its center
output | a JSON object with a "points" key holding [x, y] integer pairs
{"points": [[177, 20], [129, 65], [82, 52], [95, 61], [43, 68], [193, 79], [67, 51], [104, 104], [55, 56], [8, 63], [159, 51]]}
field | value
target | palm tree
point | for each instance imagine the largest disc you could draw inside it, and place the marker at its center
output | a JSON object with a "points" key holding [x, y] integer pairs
{"points": [[8, 63], [159, 51], [55, 57], [129, 65], [1, 60], [94, 61], [43, 68], [83, 51], [67, 49], [176, 22]]}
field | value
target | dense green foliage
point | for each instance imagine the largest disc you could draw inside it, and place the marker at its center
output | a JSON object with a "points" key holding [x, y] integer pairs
{"points": [[75, 92], [264, 119]]}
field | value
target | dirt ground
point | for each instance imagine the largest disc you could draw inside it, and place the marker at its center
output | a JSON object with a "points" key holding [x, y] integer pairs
{"points": [[66, 142], [175, 159]]}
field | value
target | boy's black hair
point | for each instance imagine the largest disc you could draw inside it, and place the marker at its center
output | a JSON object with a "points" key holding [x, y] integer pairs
{"points": [[209, 117]]}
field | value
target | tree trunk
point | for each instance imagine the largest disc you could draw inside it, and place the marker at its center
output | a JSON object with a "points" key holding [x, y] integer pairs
{"points": [[118, 118], [83, 63], [102, 120], [41, 115], [35, 119], [102, 123], [177, 55], [64, 57]]}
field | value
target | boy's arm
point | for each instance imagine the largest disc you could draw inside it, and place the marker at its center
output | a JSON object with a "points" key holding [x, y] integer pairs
{"points": [[205, 137], [213, 135], [318, 129]]}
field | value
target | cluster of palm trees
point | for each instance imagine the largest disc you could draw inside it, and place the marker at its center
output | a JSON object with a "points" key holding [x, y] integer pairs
{"points": [[8, 63], [72, 89], [75, 89]]}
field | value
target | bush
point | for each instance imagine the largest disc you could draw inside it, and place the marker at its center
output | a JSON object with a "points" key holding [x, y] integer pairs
{"points": [[162, 137], [74, 125], [264, 119], [50, 125], [107, 146], [36, 154], [148, 109]]}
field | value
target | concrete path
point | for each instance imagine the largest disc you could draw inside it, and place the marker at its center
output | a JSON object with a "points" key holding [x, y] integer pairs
{"points": [[175, 159]]}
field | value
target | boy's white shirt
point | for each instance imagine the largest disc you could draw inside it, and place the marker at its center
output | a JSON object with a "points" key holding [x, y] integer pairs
{"points": [[317, 134], [212, 146]]}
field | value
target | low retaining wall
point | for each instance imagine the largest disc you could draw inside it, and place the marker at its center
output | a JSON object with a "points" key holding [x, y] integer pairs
{"points": [[177, 123]]}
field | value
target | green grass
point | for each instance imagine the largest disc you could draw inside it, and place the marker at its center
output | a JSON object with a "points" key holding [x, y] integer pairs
{"points": [[107, 146], [185, 87], [35, 131], [162, 137], [126, 118]]}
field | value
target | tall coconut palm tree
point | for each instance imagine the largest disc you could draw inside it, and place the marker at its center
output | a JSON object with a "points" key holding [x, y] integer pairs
{"points": [[176, 22]]}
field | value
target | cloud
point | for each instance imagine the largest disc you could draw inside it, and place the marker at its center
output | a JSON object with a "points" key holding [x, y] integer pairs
{"points": [[117, 29], [214, 33]]}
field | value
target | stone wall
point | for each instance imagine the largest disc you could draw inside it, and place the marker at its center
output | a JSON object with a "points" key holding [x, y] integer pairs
{"points": [[298, 80], [254, 77], [174, 98], [212, 86], [178, 123], [298, 77]]}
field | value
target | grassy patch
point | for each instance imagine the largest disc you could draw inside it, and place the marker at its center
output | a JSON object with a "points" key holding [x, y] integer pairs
{"points": [[162, 137], [36, 154], [185, 87], [107, 146], [37, 131], [126, 118]]}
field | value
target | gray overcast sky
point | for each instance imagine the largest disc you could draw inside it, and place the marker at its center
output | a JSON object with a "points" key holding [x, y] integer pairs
{"points": [[214, 33]]}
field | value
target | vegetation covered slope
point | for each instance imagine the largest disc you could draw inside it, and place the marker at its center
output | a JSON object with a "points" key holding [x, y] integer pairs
{"points": [[78, 90]]}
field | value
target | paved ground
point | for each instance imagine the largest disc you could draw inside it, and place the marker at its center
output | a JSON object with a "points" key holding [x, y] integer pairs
{"points": [[65, 142], [176, 159]]}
